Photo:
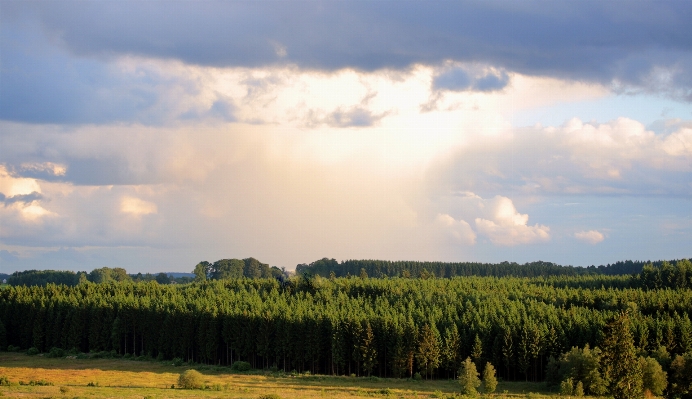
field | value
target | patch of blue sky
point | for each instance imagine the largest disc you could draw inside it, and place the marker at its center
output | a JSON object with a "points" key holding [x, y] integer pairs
{"points": [[646, 109]]}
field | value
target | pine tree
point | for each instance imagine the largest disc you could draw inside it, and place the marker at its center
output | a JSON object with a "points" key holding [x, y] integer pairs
{"points": [[468, 378], [620, 359]]}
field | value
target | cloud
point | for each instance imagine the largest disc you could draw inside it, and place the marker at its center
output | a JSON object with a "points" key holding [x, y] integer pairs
{"points": [[643, 47], [137, 207], [592, 236], [473, 79], [458, 230], [615, 158], [505, 226]]}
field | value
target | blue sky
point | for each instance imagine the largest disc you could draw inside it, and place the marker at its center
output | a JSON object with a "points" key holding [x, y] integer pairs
{"points": [[154, 135]]}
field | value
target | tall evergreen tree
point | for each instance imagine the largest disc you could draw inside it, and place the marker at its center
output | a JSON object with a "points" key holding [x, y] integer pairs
{"points": [[620, 359]]}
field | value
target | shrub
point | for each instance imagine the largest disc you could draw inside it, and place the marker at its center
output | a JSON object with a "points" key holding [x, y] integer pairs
{"points": [[417, 377], [12, 348], [241, 366], [64, 390], [93, 384], [191, 379], [579, 389], [269, 396], [177, 362], [33, 351], [56, 352], [567, 387], [4, 381]]}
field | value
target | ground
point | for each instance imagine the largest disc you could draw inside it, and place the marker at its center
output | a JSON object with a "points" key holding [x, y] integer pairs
{"points": [[121, 378]]}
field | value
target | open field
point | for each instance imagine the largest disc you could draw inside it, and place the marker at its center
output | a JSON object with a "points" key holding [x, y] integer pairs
{"points": [[119, 378]]}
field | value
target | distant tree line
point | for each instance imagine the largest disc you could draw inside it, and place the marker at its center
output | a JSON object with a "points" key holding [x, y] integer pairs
{"points": [[100, 275], [379, 268], [527, 328], [236, 268]]}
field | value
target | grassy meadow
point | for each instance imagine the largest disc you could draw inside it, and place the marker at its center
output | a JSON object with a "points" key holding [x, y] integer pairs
{"points": [[121, 378]]}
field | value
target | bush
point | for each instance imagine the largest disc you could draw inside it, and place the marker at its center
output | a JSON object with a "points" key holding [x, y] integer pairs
{"points": [[4, 381], [579, 389], [567, 387], [33, 351], [417, 377], [12, 348], [56, 352], [177, 362], [191, 379], [241, 366], [269, 396], [64, 390]]}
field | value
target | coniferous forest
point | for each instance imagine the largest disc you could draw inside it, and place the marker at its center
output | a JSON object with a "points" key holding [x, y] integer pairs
{"points": [[564, 328]]}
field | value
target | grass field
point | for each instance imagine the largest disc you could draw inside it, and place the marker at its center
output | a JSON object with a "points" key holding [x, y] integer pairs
{"points": [[120, 378]]}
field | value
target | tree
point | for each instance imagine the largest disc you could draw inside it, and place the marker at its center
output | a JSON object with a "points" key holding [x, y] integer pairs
{"points": [[681, 375], [202, 270], [162, 278], [428, 354], [450, 350], [468, 378], [489, 380], [477, 351], [654, 378], [368, 351], [620, 359]]}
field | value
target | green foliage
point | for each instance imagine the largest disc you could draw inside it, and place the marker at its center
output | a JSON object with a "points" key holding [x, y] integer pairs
{"points": [[107, 274], [653, 377], [269, 396], [191, 379], [4, 381], [428, 354], [56, 352], [43, 277], [582, 365], [620, 359], [579, 389], [681, 375], [33, 351], [489, 380], [241, 366], [468, 378], [567, 387]]}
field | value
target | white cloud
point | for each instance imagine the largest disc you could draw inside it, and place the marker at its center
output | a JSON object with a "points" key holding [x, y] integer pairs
{"points": [[11, 186], [591, 236], [458, 230], [137, 207], [505, 226]]}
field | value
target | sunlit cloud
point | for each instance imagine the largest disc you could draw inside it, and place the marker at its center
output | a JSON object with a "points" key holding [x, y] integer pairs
{"points": [[591, 236]]}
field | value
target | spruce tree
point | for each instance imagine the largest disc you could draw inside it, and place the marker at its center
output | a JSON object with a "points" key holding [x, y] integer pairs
{"points": [[489, 380], [468, 378], [620, 359]]}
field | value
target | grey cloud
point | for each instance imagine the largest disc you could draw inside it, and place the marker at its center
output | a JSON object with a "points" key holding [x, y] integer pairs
{"points": [[354, 117], [25, 198], [458, 79], [592, 40]]}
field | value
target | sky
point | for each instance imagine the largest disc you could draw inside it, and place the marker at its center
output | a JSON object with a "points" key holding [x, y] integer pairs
{"points": [[154, 135]]}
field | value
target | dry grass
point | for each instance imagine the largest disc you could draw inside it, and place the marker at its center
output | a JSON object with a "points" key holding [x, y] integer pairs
{"points": [[118, 378]]}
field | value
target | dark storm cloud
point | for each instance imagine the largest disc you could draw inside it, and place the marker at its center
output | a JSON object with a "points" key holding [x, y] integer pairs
{"points": [[56, 55], [586, 39]]}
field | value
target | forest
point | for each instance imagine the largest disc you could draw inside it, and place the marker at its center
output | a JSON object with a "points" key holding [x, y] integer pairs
{"points": [[552, 328]]}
